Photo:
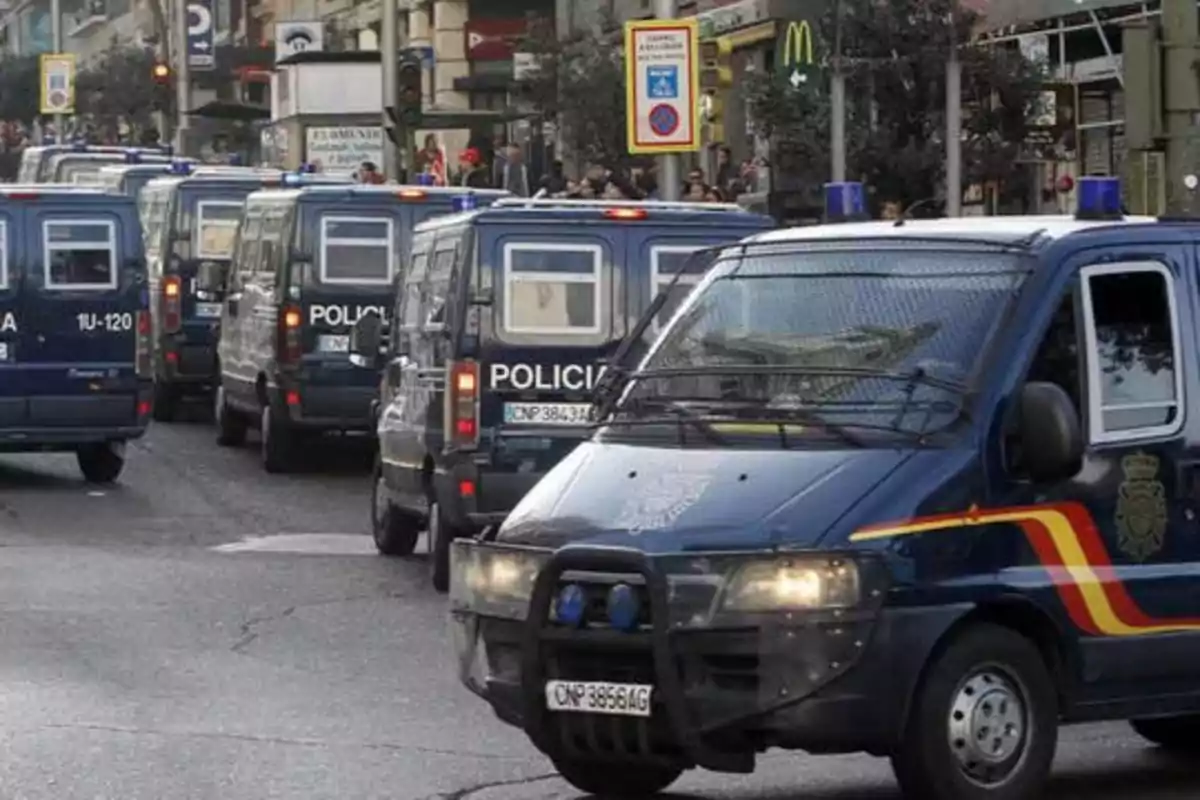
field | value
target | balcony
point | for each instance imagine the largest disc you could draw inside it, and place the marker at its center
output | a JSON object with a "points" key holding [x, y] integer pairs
{"points": [[87, 20]]}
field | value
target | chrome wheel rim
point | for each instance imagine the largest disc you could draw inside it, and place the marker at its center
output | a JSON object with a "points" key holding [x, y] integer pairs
{"points": [[989, 726]]}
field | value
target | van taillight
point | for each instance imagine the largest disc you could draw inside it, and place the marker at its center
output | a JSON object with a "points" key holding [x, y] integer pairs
{"points": [[291, 319], [172, 304], [462, 403], [145, 349]]}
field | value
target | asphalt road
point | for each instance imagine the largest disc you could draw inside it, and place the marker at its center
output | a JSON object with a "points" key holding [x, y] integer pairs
{"points": [[205, 630]]}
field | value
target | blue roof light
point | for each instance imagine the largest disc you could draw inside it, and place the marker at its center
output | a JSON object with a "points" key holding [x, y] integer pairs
{"points": [[424, 179], [80, 147], [292, 179], [307, 169], [845, 202], [133, 157], [180, 168], [235, 160], [1099, 198], [463, 202]]}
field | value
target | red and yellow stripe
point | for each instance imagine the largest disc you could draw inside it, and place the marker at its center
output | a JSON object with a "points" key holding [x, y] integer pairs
{"points": [[1066, 541]]}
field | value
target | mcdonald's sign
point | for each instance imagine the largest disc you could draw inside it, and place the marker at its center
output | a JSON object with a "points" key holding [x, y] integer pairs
{"points": [[796, 55]]}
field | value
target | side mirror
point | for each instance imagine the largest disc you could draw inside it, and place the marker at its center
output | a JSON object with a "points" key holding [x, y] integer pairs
{"points": [[211, 276], [366, 339], [1051, 433]]}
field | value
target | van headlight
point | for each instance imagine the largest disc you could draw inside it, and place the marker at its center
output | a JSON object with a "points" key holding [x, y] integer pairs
{"points": [[792, 583], [493, 581]]}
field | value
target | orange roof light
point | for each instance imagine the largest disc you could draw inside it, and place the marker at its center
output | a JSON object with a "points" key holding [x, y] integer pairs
{"points": [[411, 194], [625, 213]]}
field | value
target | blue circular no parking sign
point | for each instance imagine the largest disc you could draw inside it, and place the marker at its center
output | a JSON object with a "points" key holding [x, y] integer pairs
{"points": [[664, 119]]}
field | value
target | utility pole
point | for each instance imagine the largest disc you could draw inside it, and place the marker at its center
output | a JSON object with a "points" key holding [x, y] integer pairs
{"points": [[183, 77], [954, 187], [56, 43], [837, 102], [1181, 33], [389, 56], [670, 172]]}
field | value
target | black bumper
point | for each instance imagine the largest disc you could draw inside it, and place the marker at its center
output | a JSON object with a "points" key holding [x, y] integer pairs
{"points": [[52, 440], [495, 494], [344, 409], [193, 365], [823, 682]]}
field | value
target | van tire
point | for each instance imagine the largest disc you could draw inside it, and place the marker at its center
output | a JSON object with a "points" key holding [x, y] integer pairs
{"points": [[101, 462], [231, 424], [441, 534], [277, 441], [988, 679], [613, 781], [395, 531], [166, 402], [1173, 734]]}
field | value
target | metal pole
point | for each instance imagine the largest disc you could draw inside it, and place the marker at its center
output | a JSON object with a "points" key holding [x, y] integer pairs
{"points": [[183, 78], [954, 185], [837, 103], [389, 56], [57, 45], [1181, 31], [670, 170]]}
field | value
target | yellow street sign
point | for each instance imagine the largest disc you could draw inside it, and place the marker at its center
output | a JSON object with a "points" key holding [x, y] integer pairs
{"points": [[57, 83]]}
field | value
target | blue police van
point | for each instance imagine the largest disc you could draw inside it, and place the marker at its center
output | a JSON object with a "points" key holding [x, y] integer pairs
{"points": [[923, 489], [503, 325], [189, 221], [308, 264], [74, 325], [35, 165]]}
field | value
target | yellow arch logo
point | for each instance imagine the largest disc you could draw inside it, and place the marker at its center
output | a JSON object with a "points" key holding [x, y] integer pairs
{"points": [[798, 45]]}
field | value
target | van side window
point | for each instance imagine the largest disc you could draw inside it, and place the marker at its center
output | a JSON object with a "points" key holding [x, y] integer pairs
{"points": [[154, 220], [552, 288], [357, 250], [79, 254], [1135, 385], [414, 284], [3, 254], [1057, 359], [440, 278], [665, 262], [251, 241], [216, 226], [270, 240]]}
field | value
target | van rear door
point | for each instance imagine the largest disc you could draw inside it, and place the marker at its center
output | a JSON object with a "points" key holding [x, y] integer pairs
{"points": [[559, 312], [655, 255], [80, 306], [13, 405]]}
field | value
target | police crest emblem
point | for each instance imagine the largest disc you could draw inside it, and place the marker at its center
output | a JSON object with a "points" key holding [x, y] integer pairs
{"points": [[1141, 507], [665, 496]]}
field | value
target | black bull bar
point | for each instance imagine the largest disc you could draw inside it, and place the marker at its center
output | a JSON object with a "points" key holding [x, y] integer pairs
{"points": [[792, 679]]}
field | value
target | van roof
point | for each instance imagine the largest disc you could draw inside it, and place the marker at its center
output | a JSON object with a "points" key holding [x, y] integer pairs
{"points": [[74, 191], [519, 210], [323, 191], [986, 230]]}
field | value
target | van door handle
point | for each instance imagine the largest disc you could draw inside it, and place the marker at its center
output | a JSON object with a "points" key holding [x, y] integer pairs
{"points": [[232, 303]]}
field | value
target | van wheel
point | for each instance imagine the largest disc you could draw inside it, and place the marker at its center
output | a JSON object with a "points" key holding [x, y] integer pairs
{"points": [[276, 443], [983, 724], [231, 425], [1174, 734], [101, 463], [606, 780], [395, 531], [441, 534], [166, 402]]}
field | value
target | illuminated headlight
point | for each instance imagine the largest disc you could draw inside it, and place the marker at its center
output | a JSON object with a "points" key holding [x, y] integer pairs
{"points": [[493, 581], [792, 584]]}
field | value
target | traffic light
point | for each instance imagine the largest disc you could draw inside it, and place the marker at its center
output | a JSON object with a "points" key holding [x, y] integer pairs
{"points": [[716, 64], [162, 77], [408, 91], [161, 73]]}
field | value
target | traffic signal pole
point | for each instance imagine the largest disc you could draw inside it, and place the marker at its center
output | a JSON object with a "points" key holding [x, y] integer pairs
{"points": [[837, 102], [183, 78], [56, 43], [1180, 24], [670, 172], [389, 53]]}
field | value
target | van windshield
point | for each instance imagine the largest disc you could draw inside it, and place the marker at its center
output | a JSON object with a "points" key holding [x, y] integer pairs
{"points": [[217, 228], [81, 171], [882, 339]]}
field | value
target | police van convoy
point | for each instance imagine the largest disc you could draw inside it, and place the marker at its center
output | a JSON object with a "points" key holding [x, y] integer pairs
{"points": [[83, 168], [309, 263], [919, 489], [35, 161], [74, 325], [502, 326], [129, 178], [189, 221]]}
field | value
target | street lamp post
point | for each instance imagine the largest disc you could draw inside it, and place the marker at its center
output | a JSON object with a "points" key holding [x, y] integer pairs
{"points": [[837, 102], [954, 187], [670, 172], [56, 42]]}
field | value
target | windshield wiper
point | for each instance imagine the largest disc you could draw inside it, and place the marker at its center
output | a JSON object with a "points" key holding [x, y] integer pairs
{"points": [[919, 375], [682, 415]]}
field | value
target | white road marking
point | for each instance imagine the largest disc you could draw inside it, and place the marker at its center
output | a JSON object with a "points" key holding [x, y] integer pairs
{"points": [[328, 544]]}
